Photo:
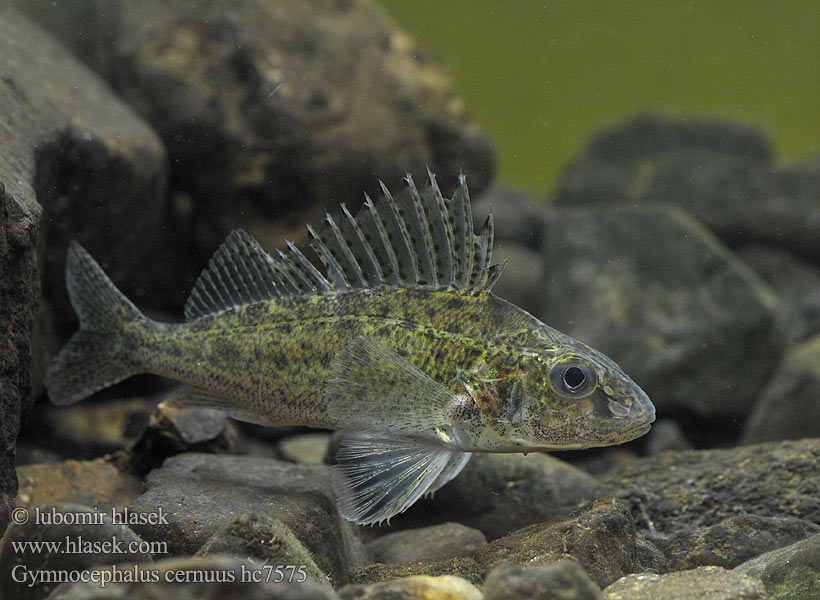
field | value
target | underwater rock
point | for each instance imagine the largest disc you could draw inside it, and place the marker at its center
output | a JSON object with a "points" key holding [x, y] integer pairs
{"points": [[19, 284], [732, 541], [86, 431], [91, 538], [499, 493], [305, 448], [260, 536], [687, 491], [519, 284], [790, 573], [518, 218], [173, 430], [564, 579], [796, 283], [517, 214], [200, 493], [465, 567], [600, 537], [722, 172], [98, 483], [97, 170], [275, 111], [191, 579], [666, 436], [703, 583], [789, 404], [652, 288], [448, 540], [650, 559], [413, 588], [19, 291], [71, 149]]}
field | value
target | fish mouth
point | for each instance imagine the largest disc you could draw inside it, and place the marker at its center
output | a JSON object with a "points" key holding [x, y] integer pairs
{"points": [[638, 430]]}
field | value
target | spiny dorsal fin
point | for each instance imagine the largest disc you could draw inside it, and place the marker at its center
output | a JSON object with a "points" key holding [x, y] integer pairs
{"points": [[415, 239]]}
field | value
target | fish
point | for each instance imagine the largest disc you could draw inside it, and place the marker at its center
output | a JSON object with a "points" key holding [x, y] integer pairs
{"points": [[390, 335]]}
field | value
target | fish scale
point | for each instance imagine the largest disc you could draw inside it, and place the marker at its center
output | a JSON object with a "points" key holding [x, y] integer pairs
{"points": [[298, 337], [398, 343]]}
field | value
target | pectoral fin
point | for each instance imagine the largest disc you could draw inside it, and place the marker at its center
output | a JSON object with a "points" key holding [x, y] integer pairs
{"points": [[370, 387], [376, 478], [453, 467]]}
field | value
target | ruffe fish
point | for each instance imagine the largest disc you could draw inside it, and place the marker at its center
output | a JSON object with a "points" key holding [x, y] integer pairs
{"points": [[395, 340]]}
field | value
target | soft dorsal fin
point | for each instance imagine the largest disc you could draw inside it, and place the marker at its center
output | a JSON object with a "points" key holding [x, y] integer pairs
{"points": [[415, 239], [241, 272]]}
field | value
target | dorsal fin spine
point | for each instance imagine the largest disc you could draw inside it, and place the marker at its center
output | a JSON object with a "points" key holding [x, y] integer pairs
{"points": [[488, 233], [393, 271], [427, 256], [332, 266], [464, 215], [494, 272], [288, 283], [412, 277], [480, 264], [374, 278], [445, 259], [322, 284], [303, 283], [357, 280]]}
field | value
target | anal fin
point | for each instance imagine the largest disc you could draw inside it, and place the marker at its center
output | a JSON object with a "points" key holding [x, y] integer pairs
{"points": [[191, 396], [376, 478]]}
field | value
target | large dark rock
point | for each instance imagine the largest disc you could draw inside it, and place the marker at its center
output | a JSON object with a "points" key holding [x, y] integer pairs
{"points": [[465, 567], [260, 537], [789, 573], [519, 219], [71, 149], [274, 110], [732, 541], [19, 292], [201, 493], [173, 430], [688, 491], [704, 583], [789, 403], [435, 542], [722, 172], [653, 289], [796, 282], [499, 493], [601, 537], [564, 579]]}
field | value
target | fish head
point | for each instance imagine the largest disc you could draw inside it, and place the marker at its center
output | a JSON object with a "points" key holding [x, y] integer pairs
{"points": [[562, 396]]}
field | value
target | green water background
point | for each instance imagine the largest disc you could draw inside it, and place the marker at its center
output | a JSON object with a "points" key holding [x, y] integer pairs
{"points": [[542, 77]]}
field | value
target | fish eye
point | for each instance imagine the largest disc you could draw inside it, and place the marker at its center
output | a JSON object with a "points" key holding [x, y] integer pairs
{"points": [[572, 380]]}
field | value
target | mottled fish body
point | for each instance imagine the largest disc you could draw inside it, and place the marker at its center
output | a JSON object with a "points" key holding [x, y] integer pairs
{"points": [[398, 342]]}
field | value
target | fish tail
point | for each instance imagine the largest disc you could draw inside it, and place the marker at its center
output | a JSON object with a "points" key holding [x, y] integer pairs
{"points": [[94, 358]]}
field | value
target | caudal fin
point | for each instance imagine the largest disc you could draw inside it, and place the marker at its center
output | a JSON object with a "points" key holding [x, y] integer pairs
{"points": [[93, 358]]}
